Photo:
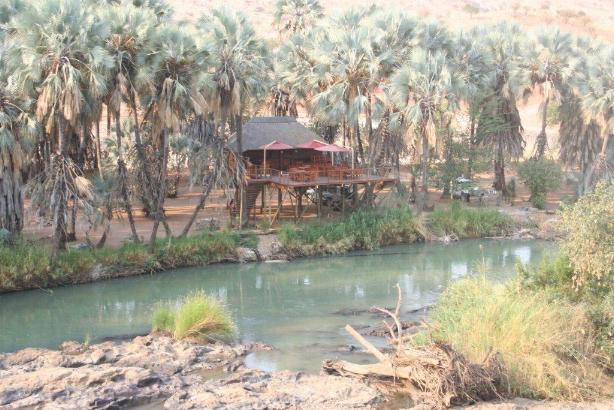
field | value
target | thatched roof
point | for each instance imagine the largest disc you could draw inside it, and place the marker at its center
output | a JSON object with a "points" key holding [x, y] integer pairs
{"points": [[260, 131]]}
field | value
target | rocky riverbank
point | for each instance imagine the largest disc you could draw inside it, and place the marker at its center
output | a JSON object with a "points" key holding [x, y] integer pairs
{"points": [[172, 374]]}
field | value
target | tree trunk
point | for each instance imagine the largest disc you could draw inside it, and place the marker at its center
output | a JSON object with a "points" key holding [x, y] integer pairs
{"points": [[424, 163], [201, 203], [148, 194], [541, 142], [123, 177], [499, 163], [11, 198], [59, 192], [361, 151], [472, 147], [243, 200], [369, 119], [159, 210], [600, 161], [98, 150]]}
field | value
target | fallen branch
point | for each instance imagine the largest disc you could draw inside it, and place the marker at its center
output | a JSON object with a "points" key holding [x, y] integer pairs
{"points": [[434, 375]]}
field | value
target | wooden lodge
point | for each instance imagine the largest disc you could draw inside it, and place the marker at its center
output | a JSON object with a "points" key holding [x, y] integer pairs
{"points": [[280, 153]]}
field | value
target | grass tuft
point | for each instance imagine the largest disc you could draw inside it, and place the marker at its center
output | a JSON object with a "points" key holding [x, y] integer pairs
{"points": [[200, 316]]}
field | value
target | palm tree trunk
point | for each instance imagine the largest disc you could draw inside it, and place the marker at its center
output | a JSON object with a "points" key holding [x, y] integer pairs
{"points": [[361, 151], [424, 162], [599, 161], [541, 142], [201, 203], [499, 164], [11, 198], [472, 146], [159, 211], [148, 197], [59, 192], [98, 150], [243, 200], [123, 177]]}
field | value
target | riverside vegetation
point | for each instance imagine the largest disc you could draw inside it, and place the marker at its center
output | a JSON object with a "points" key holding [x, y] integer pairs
{"points": [[28, 264], [554, 324]]}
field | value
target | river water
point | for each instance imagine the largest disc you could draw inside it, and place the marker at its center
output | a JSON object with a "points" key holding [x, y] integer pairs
{"points": [[299, 307]]}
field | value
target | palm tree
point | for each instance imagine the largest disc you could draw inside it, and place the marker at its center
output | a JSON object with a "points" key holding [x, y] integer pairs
{"points": [[499, 125], [597, 90], [239, 72], [18, 133], [130, 29], [171, 64], [293, 16], [58, 56], [423, 89], [549, 69], [239, 63]]}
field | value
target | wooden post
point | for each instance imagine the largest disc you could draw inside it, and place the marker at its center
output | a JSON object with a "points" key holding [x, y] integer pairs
{"points": [[296, 207], [319, 201], [342, 201], [262, 193], [241, 208]]}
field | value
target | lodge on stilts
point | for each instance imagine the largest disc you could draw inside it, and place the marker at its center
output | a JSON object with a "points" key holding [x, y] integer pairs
{"points": [[282, 154]]}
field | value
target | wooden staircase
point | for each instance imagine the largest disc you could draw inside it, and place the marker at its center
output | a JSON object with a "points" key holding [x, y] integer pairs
{"points": [[252, 193]]}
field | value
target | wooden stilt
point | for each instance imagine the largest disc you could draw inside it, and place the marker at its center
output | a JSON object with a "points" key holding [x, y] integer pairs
{"points": [[342, 202], [296, 206], [262, 192], [241, 207], [319, 201]]}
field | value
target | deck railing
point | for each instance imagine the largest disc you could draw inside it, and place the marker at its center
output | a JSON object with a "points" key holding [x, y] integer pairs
{"points": [[317, 175]]}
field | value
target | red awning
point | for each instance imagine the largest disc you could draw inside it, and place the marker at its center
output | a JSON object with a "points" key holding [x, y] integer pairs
{"points": [[276, 146], [313, 144], [333, 148]]}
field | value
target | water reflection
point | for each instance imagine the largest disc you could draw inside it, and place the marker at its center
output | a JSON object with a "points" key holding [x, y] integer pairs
{"points": [[288, 305]]}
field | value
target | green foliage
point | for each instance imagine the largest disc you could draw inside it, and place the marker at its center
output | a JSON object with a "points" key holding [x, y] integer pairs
{"points": [[163, 319], [364, 229], [540, 177], [589, 237], [546, 344], [555, 275], [199, 316], [26, 264], [467, 222]]}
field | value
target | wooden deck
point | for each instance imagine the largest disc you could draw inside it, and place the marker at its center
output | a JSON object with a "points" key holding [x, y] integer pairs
{"points": [[307, 180]]}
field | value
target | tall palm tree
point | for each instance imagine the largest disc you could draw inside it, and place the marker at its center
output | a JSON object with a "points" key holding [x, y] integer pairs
{"points": [[549, 69], [293, 16], [597, 90], [240, 66], [171, 64], [499, 125], [129, 30], [423, 88], [58, 56]]}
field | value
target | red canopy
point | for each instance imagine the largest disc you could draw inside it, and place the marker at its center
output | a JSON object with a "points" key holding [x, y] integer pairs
{"points": [[332, 148], [313, 144], [276, 146]]}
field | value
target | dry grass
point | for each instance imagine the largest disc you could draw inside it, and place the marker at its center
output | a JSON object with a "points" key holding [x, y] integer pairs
{"points": [[546, 345]]}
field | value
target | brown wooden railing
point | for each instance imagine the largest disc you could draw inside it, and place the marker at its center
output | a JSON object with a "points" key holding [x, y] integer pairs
{"points": [[322, 175]]}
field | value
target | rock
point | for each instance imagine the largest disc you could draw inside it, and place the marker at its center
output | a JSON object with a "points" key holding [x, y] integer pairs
{"points": [[254, 389], [246, 255]]}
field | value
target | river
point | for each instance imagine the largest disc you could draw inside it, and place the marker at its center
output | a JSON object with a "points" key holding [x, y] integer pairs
{"points": [[292, 306]]}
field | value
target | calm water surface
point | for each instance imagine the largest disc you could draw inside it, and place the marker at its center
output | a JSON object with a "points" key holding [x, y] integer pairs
{"points": [[292, 306]]}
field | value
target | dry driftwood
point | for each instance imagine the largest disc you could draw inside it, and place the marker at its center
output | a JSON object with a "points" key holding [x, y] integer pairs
{"points": [[434, 375]]}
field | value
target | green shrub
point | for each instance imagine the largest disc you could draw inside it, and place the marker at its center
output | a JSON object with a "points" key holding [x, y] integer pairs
{"points": [[540, 177], [363, 229], [546, 344], [27, 264], [467, 222], [588, 226], [200, 316]]}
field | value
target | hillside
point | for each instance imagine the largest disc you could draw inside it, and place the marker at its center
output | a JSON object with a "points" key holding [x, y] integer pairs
{"points": [[592, 17]]}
